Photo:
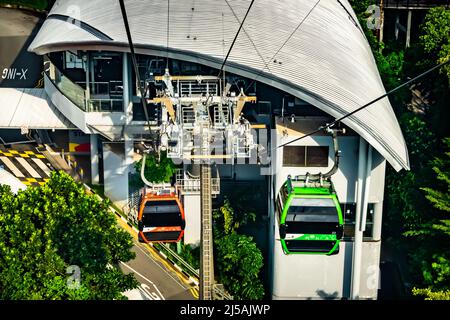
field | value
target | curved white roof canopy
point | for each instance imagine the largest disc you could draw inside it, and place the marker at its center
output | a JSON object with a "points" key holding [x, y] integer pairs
{"points": [[322, 56]]}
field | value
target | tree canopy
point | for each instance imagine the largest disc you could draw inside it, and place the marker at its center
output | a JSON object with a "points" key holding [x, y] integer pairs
{"points": [[156, 170], [435, 38], [436, 232], [238, 260], [52, 234], [411, 222]]}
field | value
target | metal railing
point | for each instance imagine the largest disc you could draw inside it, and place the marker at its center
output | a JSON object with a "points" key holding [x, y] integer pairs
{"points": [[193, 185], [107, 88], [76, 91], [197, 88], [72, 91], [105, 105]]}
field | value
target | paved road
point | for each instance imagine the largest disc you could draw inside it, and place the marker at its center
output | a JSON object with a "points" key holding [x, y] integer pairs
{"points": [[18, 67], [158, 280]]}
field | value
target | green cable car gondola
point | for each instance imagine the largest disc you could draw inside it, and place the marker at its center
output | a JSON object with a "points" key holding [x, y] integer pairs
{"points": [[310, 217], [309, 214]]}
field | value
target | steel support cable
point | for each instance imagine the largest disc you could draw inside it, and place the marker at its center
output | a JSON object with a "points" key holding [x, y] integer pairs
{"points": [[235, 38], [329, 125], [135, 65], [284, 43], [168, 35]]}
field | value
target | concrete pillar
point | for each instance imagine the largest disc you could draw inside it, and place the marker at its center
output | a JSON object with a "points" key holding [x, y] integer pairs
{"points": [[192, 208], [126, 74], [88, 88], [357, 244], [91, 69], [377, 221], [367, 179], [115, 172], [95, 176], [408, 29], [397, 25]]}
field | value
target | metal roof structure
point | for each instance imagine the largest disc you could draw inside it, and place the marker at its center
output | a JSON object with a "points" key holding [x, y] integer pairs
{"points": [[312, 49], [31, 109]]}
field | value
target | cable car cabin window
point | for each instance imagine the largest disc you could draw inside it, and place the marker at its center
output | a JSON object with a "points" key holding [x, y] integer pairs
{"points": [[312, 216], [309, 246], [305, 156], [312, 210], [161, 213]]}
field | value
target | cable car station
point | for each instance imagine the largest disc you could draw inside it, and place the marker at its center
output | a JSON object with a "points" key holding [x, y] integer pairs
{"points": [[229, 95]]}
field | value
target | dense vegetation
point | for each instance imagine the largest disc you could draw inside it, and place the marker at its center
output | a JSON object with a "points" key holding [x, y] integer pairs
{"points": [[416, 218], [32, 4], [238, 261], [58, 243], [156, 170]]}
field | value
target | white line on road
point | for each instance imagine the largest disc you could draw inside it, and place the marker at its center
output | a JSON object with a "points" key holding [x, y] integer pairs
{"points": [[29, 168], [42, 166], [145, 278], [12, 167], [159, 266]]}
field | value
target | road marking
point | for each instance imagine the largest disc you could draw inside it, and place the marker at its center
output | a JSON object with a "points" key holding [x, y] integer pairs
{"points": [[145, 278], [29, 168], [40, 156], [155, 258], [42, 166], [195, 293], [7, 154], [159, 266], [12, 167], [14, 151], [32, 180], [24, 155], [29, 152]]}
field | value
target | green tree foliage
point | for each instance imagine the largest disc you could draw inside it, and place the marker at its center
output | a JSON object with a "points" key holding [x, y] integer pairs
{"points": [[32, 4], [435, 39], [47, 229], [390, 61], [408, 212], [227, 220], [238, 260], [436, 265], [161, 170], [430, 295], [441, 198]]}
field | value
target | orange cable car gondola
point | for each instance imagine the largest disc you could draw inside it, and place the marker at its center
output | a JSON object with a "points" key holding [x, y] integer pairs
{"points": [[161, 214]]}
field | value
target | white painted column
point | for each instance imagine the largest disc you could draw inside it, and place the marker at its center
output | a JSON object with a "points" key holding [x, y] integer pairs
{"points": [[95, 176], [357, 244], [88, 87], [397, 22], [367, 179], [408, 29], [128, 109], [377, 221]]}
